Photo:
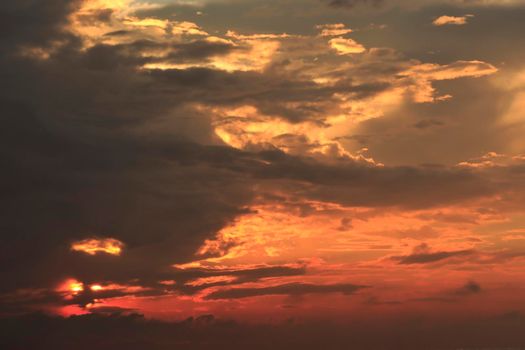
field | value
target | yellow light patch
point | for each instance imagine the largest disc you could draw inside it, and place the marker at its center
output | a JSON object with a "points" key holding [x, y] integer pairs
{"points": [[94, 246], [96, 287], [346, 46]]}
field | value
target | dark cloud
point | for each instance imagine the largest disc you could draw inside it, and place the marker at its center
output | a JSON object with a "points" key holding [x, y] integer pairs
{"points": [[77, 163], [33, 22], [138, 53], [272, 92], [362, 140], [425, 124], [423, 255], [469, 288], [470, 256], [284, 289], [351, 3], [118, 33], [435, 299], [354, 184], [96, 16], [113, 311]]}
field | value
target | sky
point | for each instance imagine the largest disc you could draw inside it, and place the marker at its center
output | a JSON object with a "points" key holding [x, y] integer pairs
{"points": [[292, 174]]}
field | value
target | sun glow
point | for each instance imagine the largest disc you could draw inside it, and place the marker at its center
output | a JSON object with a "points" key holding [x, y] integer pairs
{"points": [[71, 287], [96, 287], [76, 287]]}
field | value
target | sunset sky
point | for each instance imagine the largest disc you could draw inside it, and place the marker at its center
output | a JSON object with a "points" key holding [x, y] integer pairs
{"points": [[350, 170]]}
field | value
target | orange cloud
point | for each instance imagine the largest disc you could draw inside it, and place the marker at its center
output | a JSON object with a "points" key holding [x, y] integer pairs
{"points": [[423, 74], [451, 20], [491, 160], [95, 246], [211, 280], [333, 29], [455, 70], [346, 46]]}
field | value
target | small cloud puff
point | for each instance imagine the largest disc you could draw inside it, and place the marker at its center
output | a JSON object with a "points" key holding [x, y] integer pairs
{"points": [[451, 20]]}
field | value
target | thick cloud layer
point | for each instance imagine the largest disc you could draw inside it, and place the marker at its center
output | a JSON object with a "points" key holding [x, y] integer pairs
{"points": [[154, 165]]}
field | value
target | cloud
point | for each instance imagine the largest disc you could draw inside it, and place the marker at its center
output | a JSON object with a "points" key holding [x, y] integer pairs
{"points": [[334, 29], [346, 46], [451, 20], [161, 158], [284, 289], [193, 280], [93, 246], [470, 288], [354, 184], [414, 4], [351, 3], [493, 160], [20, 25], [92, 291], [426, 258], [425, 124], [455, 70], [422, 255]]}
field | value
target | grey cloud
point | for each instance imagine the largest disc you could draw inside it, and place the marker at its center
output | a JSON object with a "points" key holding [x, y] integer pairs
{"points": [[137, 53], [351, 3], [425, 124], [468, 256], [271, 92], [431, 257], [470, 288], [354, 184], [32, 22], [96, 17], [118, 33]]}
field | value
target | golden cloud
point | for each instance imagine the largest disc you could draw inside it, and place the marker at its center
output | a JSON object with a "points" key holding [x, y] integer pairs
{"points": [[346, 46], [93, 246], [451, 20], [335, 29]]}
